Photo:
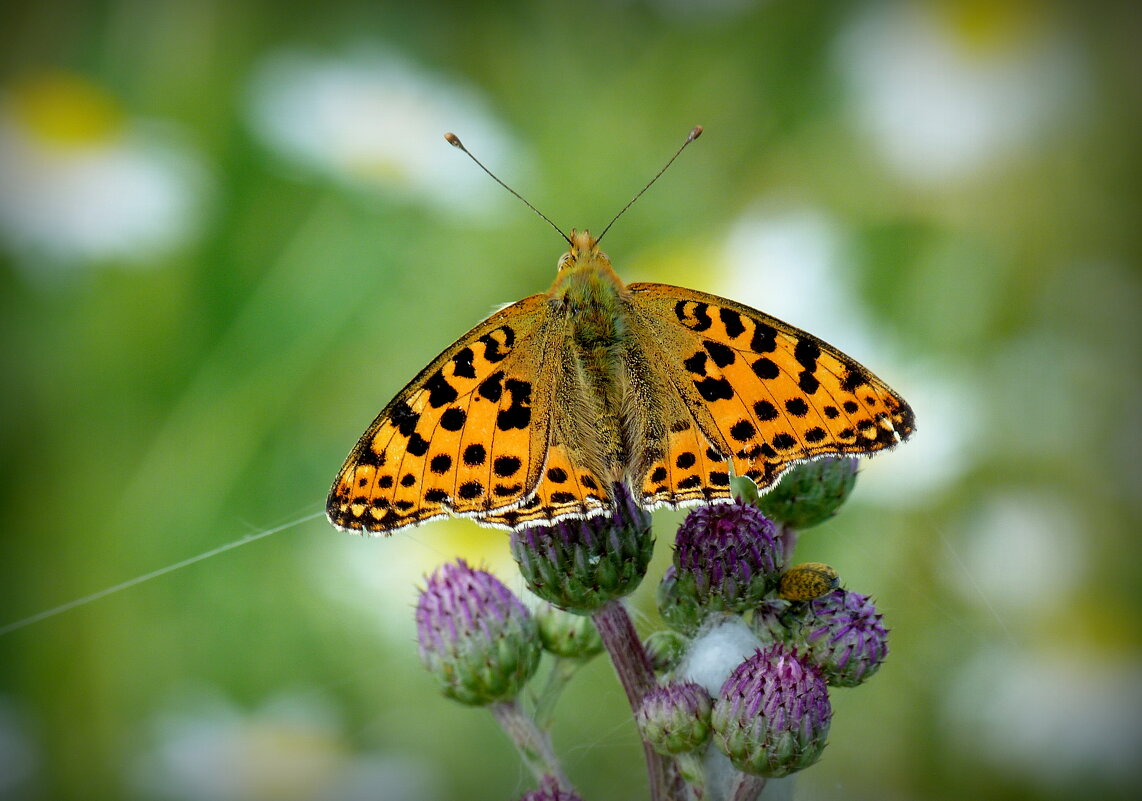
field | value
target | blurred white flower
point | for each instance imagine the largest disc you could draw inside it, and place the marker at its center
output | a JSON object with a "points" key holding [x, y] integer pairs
{"points": [[1064, 720], [788, 259], [291, 748], [1022, 555], [82, 183], [374, 120], [948, 89]]}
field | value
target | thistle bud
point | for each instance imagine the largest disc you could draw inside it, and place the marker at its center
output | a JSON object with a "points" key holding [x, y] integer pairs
{"points": [[772, 715], [665, 650], [844, 636], [811, 492], [579, 564], [678, 602], [807, 581], [675, 718], [475, 636], [769, 621], [731, 555], [567, 635]]}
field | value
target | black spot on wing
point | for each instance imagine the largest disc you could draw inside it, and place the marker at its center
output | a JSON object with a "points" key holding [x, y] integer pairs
{"points": [[713, 389], [815, 434], [491, 388], [462, 365], [853, 379], [506, 466], [722, 355], [475, 455], [732, 321], [498, 343], [693, 314], [417, 445], [806, 352], [453, 419], [797, 407], [765, 368], [440, 392], [470, 490], [518, 414], [743, 431], [764, 339], [765, 411], [696, 364], [404, 418], [371, 457], [808, 382]]}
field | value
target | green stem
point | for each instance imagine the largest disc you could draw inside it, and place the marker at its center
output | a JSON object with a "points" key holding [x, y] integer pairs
{"points": [[562, 670], [533, 744]]}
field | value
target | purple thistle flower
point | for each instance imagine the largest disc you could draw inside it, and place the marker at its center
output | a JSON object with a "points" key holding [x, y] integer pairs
{"points": [[772, 715], [475, 636], [729, 556], [675, 718], [845, 636], [580, 564]]}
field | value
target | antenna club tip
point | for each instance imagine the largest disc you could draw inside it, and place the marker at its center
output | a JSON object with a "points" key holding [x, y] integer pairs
{"points": [[695, 133], [453, 140]]}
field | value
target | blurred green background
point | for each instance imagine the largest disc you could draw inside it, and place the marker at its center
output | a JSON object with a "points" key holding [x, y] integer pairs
{"points": [[230, 232]]}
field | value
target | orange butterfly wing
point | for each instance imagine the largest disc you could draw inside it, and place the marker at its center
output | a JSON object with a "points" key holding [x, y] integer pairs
{"points": [[461, 438], [753, 389], [565, 490]]}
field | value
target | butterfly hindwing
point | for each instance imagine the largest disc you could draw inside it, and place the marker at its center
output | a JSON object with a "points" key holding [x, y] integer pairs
{"points": [[564, 490], [756, 390], [468, 435]]}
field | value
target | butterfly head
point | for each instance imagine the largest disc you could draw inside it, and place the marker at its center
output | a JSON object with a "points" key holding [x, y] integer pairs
{"points": [[585, 267]]}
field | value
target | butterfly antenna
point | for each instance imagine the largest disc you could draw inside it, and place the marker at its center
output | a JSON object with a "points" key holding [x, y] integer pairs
{"points": [[454, 140], [694, 134]]}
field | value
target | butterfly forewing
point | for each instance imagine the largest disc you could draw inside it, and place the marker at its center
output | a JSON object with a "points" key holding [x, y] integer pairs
{"points": [[462, 436], [757, 390]]}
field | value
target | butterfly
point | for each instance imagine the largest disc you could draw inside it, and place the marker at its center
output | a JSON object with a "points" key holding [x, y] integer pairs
{"points": [[538, 412]]}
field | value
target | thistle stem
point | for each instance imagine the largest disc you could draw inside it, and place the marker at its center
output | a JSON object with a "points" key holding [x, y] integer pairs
{"points": [[747, 787], [560, 675], [533, 744], [637, 678]]}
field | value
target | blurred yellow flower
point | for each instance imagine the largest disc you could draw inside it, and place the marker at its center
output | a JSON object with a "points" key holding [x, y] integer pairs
{"points": [[83, 182]]}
